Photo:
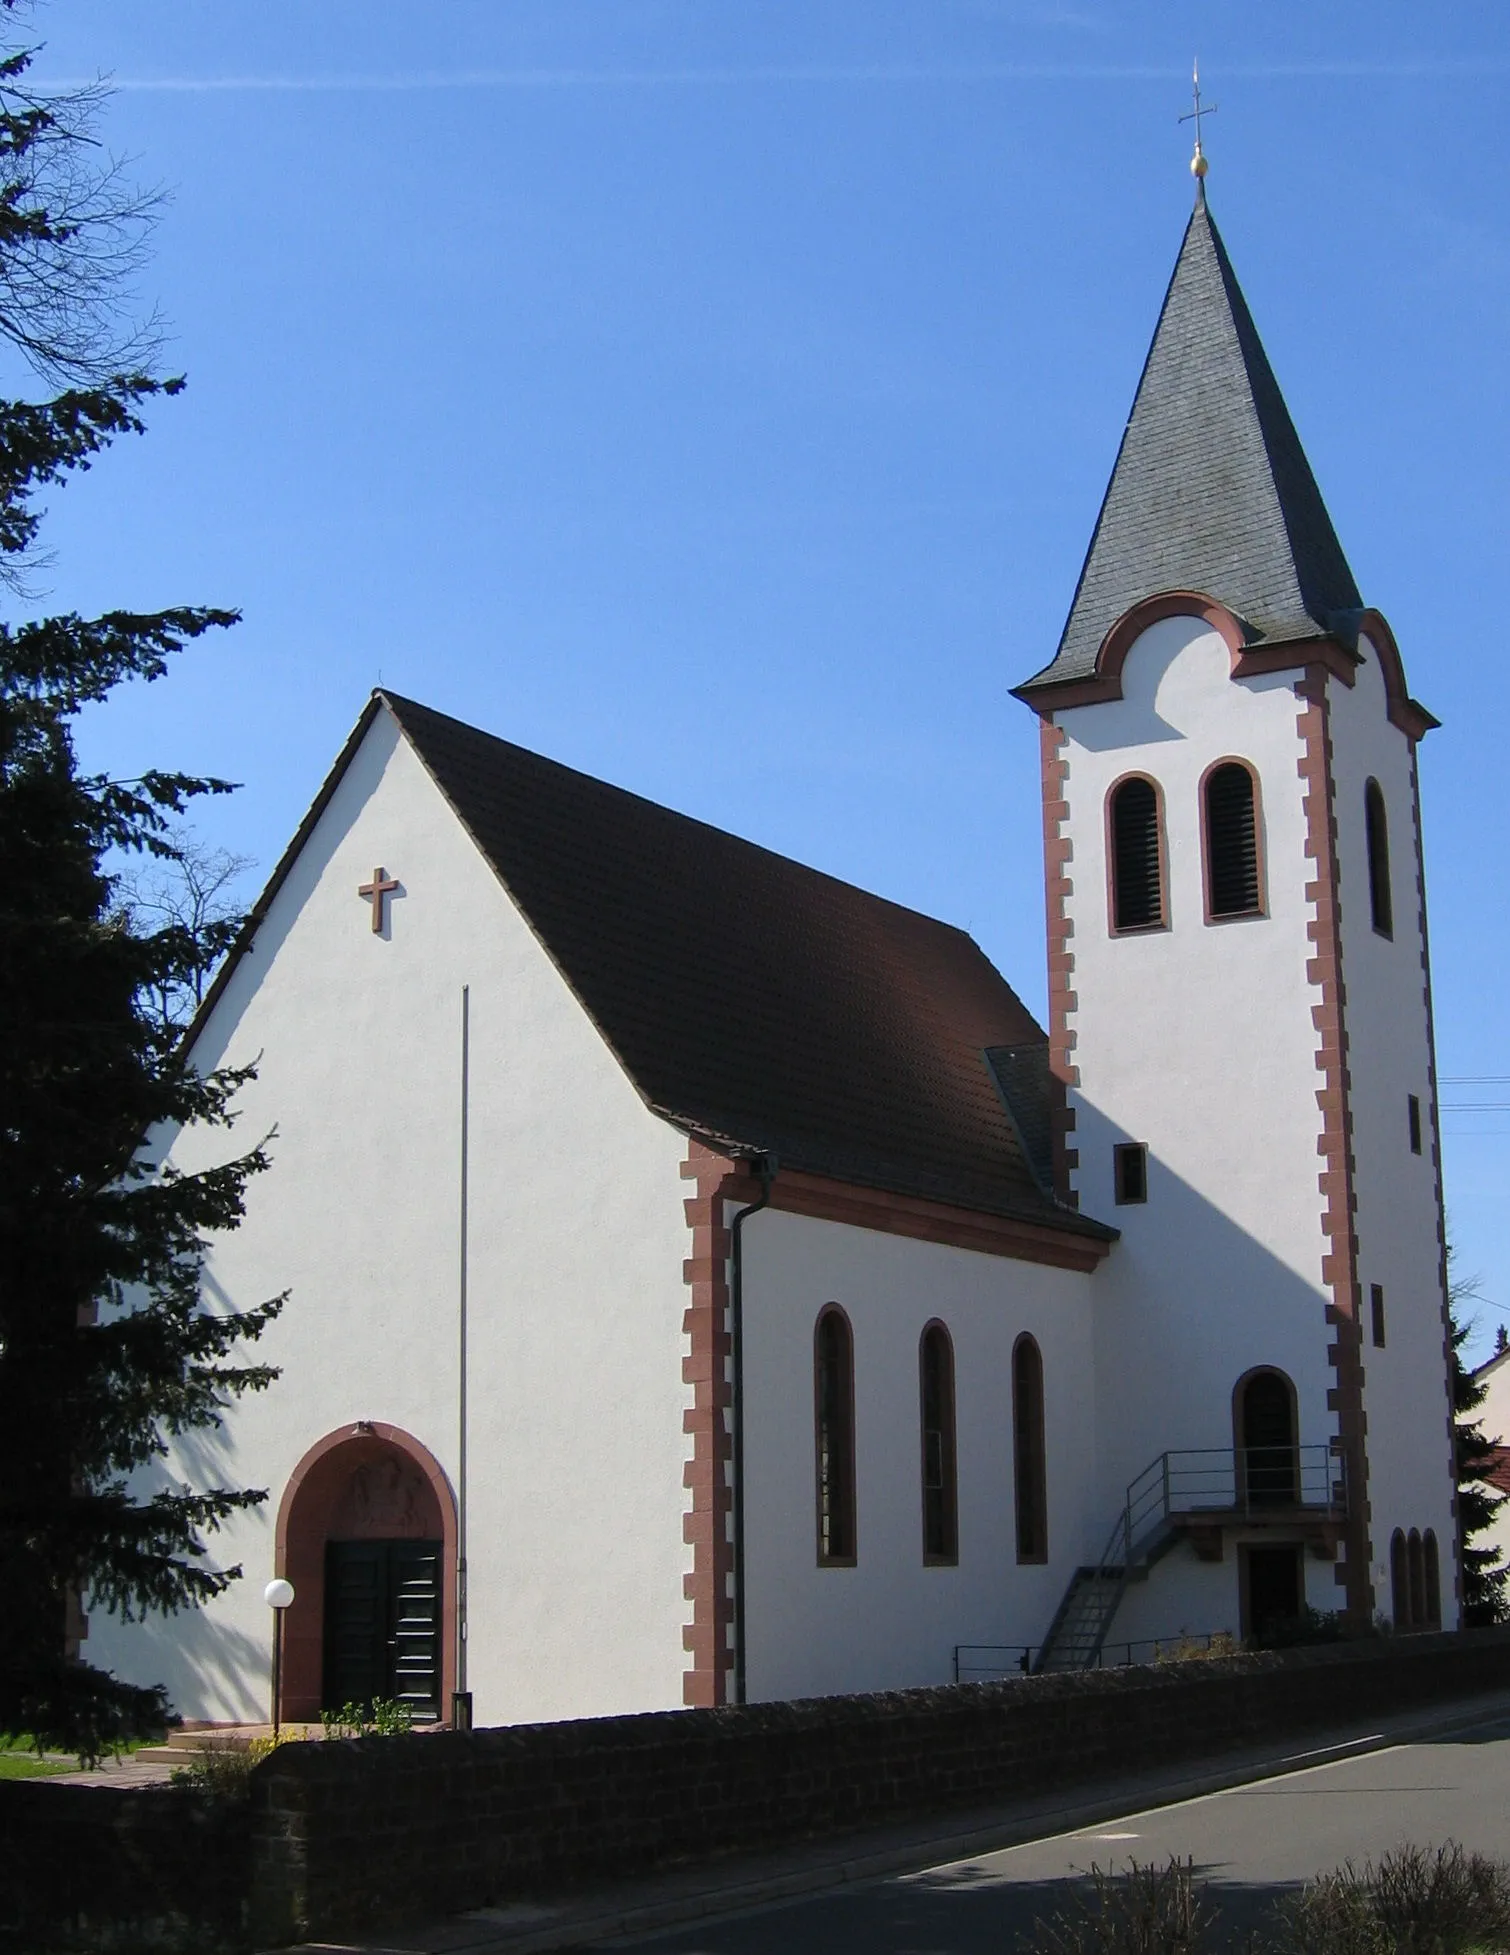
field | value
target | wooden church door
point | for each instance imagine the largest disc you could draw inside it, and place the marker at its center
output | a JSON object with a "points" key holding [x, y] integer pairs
{"points": [[383, 1624]]}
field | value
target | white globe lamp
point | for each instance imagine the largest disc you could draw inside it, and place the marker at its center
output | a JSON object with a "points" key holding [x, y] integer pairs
{"points": [[278, 1595]]}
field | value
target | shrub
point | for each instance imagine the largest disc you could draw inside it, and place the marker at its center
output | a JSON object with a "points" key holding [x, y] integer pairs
{"points": [[225, 1771], [1145, 1911], [386, 1718], [1194, 1649], [1415, 1901], [1292, 1632]]}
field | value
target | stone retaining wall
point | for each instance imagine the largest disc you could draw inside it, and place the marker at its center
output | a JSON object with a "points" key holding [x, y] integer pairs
{"points": [[374, 1829], [86, 1858], [337, 1835]]}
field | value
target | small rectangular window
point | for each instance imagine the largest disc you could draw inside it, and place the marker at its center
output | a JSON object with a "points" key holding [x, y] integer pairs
{"points": [[1376, 1312], [1130, 1163], [1413, 1117]]}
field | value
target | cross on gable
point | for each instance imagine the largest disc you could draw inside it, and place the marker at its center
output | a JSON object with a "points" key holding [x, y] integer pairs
{"points": [[382, 885]]}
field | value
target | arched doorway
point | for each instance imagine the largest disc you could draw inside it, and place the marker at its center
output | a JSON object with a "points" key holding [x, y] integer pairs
{"points": [[367, 1535], [1264, 1415]]}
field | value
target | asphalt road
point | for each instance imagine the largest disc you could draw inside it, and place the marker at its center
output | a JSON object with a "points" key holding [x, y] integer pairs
{"points": [[1249, 1845]]}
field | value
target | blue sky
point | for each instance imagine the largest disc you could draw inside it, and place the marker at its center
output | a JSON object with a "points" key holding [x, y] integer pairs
{"points": [[718, 394]]}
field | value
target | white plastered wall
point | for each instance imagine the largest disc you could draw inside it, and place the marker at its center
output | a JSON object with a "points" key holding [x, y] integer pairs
{"points": [[1198, 1041], [890, 1622], [576, 1299], [1389, 1057]]}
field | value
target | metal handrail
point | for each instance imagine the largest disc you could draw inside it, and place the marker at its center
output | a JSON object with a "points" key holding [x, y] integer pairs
{"points": [[1224, 1483], [1242, 1480], [1004, 1662]]}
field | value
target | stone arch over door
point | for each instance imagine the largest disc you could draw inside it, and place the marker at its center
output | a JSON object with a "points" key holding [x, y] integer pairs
{"points": [[366, 1481]]}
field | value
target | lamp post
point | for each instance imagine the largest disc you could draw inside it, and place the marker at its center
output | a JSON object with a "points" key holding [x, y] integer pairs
{"points": [[277, 1595]]}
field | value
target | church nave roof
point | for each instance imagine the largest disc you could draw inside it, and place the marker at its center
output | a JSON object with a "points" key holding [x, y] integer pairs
{"points": [[755, 1002]]}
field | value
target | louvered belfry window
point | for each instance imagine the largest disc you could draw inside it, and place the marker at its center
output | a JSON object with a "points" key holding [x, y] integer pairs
{"points": [[1137, 858], [1232, 877]]}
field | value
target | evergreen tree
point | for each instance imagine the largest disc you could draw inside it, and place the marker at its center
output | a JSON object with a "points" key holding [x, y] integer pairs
{"points": [[106, 1348], [1479, 1500]]}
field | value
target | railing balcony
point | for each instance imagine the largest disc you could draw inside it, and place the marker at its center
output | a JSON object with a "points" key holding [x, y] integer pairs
{"points": [[1213, 1487], [1197, 1496]]}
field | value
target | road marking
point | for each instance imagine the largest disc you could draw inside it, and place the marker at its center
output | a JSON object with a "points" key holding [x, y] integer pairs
{"points": [[1323, 1751], [1328, 1764]]}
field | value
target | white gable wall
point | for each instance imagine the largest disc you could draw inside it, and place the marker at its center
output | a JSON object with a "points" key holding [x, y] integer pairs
{"points": [[890, 1622], [577, 1239]]}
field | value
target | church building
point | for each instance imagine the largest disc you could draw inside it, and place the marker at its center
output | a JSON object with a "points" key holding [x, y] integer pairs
{"points": [[708, 1281]]}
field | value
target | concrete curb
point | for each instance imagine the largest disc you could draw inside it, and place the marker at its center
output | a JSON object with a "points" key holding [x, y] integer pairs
{"points": [[816, 1867]]}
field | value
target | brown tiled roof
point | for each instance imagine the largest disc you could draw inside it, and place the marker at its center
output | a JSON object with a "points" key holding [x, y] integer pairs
{"points": [[756, 1003], [1497, 1468]]}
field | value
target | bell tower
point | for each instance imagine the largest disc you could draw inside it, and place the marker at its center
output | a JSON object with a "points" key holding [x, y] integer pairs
{"points": [[1239, 987]]}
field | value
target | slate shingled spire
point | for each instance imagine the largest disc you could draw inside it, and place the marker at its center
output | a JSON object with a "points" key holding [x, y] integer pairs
{"points": [[1211, 491]]}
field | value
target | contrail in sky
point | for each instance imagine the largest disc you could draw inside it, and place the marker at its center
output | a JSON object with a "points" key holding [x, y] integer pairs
{"points": [[629, 78]]}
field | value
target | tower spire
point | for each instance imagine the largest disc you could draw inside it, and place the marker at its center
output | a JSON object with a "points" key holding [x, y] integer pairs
{"points": [[1211, 490]]}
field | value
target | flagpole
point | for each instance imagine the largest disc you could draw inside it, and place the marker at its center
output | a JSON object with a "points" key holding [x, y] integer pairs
{"points": [[461, 1697]]}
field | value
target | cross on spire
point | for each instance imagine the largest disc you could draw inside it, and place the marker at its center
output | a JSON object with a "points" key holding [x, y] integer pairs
{"points": [[1198, 163], [382, 885]]}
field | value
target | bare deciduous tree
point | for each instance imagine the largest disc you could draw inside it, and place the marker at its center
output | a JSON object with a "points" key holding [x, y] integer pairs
{"points": [[193, 893], [74, 232]]}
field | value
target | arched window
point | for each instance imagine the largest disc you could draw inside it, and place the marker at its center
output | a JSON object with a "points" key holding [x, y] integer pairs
{"points": [[1433, 1579], [1415, 1559], [1376, 821], [1135, 842], [1229, 811], [834, 1437], [1399, 1581], [1031, 1483], [1264, 1415], [940, 1494]]}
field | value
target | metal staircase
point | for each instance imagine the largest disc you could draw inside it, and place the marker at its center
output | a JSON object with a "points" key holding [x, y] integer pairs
{"points": [[1090, 1602], [1204, 1491]]}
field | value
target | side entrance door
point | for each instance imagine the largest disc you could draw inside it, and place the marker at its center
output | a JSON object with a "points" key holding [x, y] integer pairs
{"points": [[382, 1625], [1274, 1588]]}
